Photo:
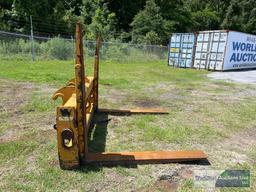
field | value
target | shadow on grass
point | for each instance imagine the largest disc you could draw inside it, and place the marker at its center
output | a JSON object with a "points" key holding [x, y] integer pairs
{"points": [[97, 143], [98, 132]]}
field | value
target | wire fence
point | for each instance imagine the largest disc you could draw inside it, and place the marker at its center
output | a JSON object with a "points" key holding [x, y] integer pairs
{"points": [[16, 45]]}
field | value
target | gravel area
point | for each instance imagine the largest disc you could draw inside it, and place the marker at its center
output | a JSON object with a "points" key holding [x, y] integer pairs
{"points": [[247, 77]]}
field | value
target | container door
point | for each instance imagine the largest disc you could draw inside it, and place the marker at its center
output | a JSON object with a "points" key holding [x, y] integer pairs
{"points": [[217, 50], [174, 50], [202, 50], [181, 49], [186, 51]]}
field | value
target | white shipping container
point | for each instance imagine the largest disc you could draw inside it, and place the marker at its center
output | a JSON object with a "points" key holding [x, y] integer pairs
{"points": [[225, 50]]}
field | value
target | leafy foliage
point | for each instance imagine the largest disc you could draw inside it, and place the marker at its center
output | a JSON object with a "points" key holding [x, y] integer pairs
{"points": [[103, 23], [140, 21], [241, 15], [147, 24]]}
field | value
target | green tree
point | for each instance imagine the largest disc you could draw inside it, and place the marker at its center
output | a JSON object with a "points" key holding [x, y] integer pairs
{"points": [[233, 19], [88, 9], [149, 23], [241, 16], [151, 38], [250, 26], [5, 7], [140, 21], [175, 12], [48, 15], [125, 11], [204, 14], [103, 23]]}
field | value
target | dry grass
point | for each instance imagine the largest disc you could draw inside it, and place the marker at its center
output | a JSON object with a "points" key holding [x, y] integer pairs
{"points": [[214, 116]]}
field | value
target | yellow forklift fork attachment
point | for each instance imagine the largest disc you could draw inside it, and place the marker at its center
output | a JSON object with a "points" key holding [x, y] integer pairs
{"points": [[74, 118]]}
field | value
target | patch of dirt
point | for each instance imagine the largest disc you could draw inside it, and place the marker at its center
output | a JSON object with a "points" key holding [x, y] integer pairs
{"points": [[228, 152], [171, 179], [165, 186], [13, 95], [107, 84], [12, 135], [163, 91], [147, 103], [5, 171], [7, 139], [114, 96], [230, 96], [13, 121], [234, 150], [241, 140], [117, 181], [44, 88]]}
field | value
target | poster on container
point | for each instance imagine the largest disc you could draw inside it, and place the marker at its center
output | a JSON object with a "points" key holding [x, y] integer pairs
{"points": [[241, 51]]}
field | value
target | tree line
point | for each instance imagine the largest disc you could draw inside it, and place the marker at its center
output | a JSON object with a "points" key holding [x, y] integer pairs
{"points": [[136, 21]]}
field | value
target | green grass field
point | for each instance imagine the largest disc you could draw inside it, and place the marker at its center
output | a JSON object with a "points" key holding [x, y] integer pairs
{"points": [[215, 116]]}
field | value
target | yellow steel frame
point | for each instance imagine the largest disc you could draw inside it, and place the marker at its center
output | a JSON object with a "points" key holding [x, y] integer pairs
{"points": [[74, 116]]}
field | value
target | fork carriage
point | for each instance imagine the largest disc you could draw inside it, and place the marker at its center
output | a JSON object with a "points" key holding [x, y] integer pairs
{"points": [[74, 118]]}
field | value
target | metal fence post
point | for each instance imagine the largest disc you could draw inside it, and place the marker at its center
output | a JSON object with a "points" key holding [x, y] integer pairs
{"points": [[32, 39]]}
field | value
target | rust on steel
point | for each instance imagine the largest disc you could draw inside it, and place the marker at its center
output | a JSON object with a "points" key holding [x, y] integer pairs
{"points": [[134, 111], [74, 116], [146, 156], [80, 92], [96, 74]]}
